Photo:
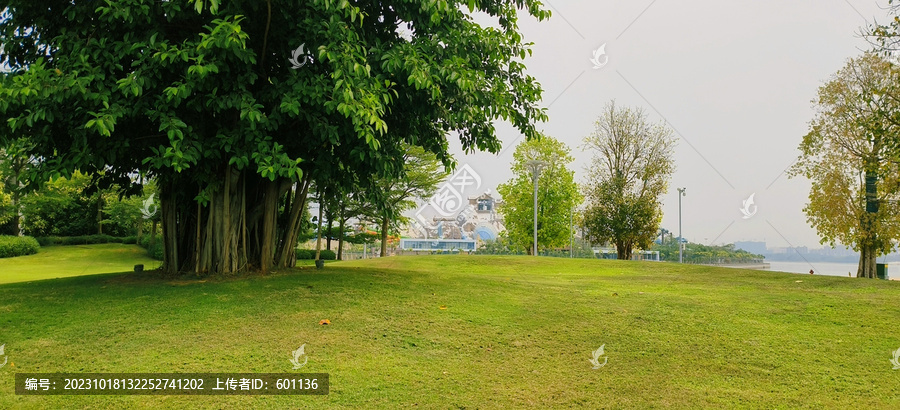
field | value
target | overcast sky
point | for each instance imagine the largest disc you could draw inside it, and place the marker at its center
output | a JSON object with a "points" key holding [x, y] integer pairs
{"points": [[733, 79]]}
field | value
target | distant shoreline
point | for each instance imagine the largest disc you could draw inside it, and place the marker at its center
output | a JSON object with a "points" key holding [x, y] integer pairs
{"points": [[893, 258]]}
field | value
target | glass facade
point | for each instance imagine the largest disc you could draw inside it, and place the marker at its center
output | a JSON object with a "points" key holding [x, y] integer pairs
{"points": [[437, 244]]}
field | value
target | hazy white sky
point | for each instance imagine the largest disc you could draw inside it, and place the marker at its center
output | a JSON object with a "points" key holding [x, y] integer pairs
{"points": [[734, 79]]}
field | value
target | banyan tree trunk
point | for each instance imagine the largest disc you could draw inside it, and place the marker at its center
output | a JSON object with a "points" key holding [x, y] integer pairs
{"points": [[236, 229]]}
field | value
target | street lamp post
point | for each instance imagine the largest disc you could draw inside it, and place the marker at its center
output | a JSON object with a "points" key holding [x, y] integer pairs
{"points": [[535, 166], [681, 193], [572, 233]]}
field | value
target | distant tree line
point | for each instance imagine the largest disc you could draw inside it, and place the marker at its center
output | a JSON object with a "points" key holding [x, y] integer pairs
{"points": [[67, 207], [699, 253]]}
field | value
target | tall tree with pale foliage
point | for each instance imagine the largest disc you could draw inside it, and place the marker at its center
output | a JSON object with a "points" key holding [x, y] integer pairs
{"points": [[630, 171], [851, 157]]}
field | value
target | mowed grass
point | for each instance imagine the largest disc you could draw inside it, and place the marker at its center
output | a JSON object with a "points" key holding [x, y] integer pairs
{"points": [[74, 260], [516, 332]]}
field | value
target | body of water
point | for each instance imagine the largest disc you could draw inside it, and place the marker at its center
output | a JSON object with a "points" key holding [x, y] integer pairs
{"points": [[825, 268]]}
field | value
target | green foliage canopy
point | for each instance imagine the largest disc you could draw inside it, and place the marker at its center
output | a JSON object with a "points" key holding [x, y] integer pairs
{"points": [[165, 87], [558, 195], [201, 94]]}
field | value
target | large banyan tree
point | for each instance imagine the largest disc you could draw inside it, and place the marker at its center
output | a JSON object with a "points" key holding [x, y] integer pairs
{"points": [[217, 100]]}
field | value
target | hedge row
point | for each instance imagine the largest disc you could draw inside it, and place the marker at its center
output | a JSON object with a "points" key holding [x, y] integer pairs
{"points": [[155, 250], [17, 246], [324, 254], [84, 240]]}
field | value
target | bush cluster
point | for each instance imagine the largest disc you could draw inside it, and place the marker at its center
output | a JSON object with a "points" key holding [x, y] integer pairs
{"points": [[17, 246], [154, 250], [84, 240], [62, 208], [325, 254]]}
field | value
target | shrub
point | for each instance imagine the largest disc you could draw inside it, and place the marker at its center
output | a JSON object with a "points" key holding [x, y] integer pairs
{"points": [[156, 250], [92, 239], [17, 246], [145, 240], [47, 240], [129, 240], [500, 246], [60, 209], [325, 254], [78, 240]]}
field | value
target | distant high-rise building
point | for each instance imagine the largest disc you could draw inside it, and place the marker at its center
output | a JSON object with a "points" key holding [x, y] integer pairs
{"points": [[758, 248], [803, 250]]}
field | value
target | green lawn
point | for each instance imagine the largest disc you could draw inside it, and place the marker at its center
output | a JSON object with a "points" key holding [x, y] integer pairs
{"points": [[75, 260], [515, 332]]}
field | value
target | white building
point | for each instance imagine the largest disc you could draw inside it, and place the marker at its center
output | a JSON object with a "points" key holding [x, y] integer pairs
{"points": [[478, 219]]}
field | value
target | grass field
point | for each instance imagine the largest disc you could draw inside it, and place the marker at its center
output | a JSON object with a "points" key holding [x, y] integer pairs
{"points": [[472, 332], [75, 260]]}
